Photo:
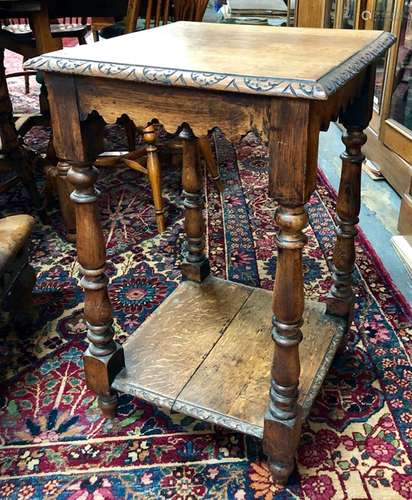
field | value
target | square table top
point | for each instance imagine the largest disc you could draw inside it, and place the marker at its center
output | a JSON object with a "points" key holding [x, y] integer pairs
{"points": [[294, 62]]}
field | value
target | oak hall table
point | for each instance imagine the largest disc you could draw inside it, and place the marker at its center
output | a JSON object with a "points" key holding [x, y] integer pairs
{"points": [[207, 349]]}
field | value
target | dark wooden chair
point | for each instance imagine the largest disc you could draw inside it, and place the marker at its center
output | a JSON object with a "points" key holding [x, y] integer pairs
{"points": [[60, 28], [17, 35], [17, 277], [16, 161]]}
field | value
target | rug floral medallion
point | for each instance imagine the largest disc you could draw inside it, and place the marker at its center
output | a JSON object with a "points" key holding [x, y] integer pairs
{"points": [[356, 443]]}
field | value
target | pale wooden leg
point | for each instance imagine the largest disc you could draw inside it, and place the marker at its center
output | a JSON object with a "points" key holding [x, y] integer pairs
{"points": [[104, 358], [196, 265], [153, 170], [211, 165]]}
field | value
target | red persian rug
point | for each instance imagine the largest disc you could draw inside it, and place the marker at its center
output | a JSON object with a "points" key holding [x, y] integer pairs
{"points": [[356, 443]]}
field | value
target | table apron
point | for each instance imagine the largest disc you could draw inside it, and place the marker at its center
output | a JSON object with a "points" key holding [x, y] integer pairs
{"points": [[234, 114]]}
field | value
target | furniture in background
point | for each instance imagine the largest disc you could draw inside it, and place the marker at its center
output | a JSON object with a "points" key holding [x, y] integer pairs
{"points": [[207, 350], [17, 277], [21, 31], [272, 12], [40, 13], [14, 158], [145, 14], [154, 14], [98, 23], [190, 10]]}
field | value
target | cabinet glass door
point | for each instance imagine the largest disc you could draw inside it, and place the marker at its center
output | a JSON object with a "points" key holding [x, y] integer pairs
{"points": [[396, 132], [401, 103]]}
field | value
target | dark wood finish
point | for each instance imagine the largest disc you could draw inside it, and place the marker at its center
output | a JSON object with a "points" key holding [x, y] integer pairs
{"points": [[20, 159], [192, 355], [63, 8], [355, 119], [190, 10], [195, 266]]}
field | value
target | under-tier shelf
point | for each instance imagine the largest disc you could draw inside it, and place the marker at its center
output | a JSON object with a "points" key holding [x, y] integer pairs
{"points": [[207, 352]]}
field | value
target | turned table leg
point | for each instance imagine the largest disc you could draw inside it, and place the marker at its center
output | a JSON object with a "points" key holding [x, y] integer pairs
{"points": [[292, 143], [195, 266], [355, 119], [340, 299], [283, 419], [104, 358]]}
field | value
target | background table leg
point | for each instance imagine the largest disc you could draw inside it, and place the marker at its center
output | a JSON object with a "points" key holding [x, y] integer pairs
{"points": [[340, 299], [64, 189], [196, 265], [355, 120]]}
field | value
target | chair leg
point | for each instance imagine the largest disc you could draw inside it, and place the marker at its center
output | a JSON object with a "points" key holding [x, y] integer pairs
{"points": [[22, 308], [82, 40], [26, 83], [211, 165], [10, 143], [153, 170], [64, 189], [130, 130]]}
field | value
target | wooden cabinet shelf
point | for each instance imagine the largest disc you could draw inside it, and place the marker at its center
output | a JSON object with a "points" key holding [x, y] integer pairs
{"points": [[207, 352]]}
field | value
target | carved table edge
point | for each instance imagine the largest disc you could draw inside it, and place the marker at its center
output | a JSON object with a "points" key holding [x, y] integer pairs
{"points": [[258, 85]]}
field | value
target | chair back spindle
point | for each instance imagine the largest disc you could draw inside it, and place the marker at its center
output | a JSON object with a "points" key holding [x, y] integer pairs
{"points": [[157, 12]]}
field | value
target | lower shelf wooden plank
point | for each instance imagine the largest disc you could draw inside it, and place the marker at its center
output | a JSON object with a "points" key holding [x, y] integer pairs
{"points": [[169, 346], [216, 365]]}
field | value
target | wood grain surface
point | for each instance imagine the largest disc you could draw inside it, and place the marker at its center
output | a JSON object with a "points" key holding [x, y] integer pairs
{"points": [[207, 352], [301, 62], [235, 114], [169, 347]]}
